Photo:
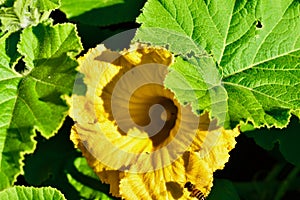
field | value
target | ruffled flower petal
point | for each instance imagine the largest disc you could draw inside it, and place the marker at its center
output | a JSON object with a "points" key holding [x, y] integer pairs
{"points": [[134, 133]]}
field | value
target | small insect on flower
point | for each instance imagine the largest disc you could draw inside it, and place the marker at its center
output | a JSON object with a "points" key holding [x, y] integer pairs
{"points": [[194, 191]]}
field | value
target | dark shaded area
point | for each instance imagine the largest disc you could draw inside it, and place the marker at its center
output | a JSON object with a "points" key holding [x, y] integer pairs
{"points": [[247, 160], [21, 181], [114, 14], [8, 3], [223, 189], [279, 114], [259, 24], [20, 67], [97, 25], [287, 140], [260, 174], [52, 160], [11, 50], [121, 40], [91, 36], [88, 181], [160, 137], [176, 190], [58, 16]]}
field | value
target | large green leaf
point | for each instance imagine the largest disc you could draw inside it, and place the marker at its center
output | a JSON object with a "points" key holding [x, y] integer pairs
{"points": [[255, 45], [9, 81], [288, 140], [32, 101], [105, 14], [31, 193], [24, 13], [75, 8]]}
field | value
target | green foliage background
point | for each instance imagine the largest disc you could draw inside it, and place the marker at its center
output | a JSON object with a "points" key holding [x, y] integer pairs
{"points": [[248, 50]]}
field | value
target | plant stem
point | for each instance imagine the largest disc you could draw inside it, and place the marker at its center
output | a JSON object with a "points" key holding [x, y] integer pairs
{"points": [[274, 172], [285, 184]]}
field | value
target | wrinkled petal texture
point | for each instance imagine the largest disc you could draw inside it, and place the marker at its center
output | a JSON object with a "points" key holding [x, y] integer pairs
{"points": [[103, 129]]}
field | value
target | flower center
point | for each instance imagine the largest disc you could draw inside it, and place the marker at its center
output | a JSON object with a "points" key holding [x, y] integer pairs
{"points": [[150, 109], [154, 112]]}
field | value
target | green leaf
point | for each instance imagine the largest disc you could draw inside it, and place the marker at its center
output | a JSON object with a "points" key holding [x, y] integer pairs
{"points": [[86, 181], [49, 53], [31, 193], [33, 101], [105, 15], [9, 81], [297, 113], [63, 168], [204, 92], [24, 13], [223, 189], [257, 58], [288, 140], [46, 43], [75, 8]]}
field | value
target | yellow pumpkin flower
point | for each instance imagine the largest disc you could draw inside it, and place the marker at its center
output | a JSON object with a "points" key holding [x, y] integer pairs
{"points": [[134, 133]]}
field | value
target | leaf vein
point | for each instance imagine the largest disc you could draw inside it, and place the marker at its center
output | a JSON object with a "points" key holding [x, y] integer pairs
{"points": [[226, 35], [258, 92], [267, 35]]}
